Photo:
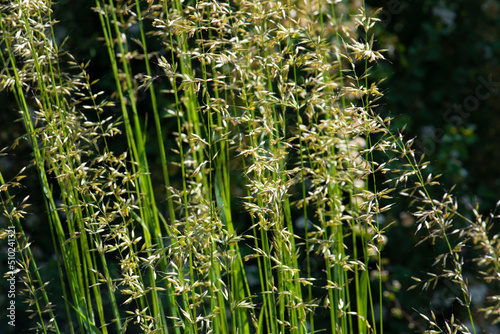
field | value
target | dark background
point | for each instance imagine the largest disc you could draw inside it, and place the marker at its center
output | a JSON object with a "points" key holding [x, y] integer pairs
{"points": [[442, 57]]}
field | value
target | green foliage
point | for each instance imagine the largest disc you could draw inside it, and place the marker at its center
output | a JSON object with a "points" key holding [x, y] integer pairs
{"points": [[442, 81]]}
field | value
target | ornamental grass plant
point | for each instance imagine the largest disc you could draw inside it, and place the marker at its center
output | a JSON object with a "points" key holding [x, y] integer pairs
{"points": [[232, 181]]}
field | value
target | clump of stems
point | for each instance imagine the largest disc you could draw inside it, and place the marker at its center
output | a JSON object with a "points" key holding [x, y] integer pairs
{"points": [[273, 167]]}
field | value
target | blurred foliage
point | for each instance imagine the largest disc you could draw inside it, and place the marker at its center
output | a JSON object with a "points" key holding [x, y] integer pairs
{"points": [[443, 81]]}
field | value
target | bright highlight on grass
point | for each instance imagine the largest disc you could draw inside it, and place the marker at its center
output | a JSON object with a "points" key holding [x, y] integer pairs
{"points": [[272, 118]]}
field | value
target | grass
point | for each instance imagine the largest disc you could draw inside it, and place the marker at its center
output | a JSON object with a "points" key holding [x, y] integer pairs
{"points": [[273, 118]]}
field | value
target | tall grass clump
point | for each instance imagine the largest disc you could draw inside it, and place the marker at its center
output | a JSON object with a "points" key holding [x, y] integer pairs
{"points": [[258, 210]]}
